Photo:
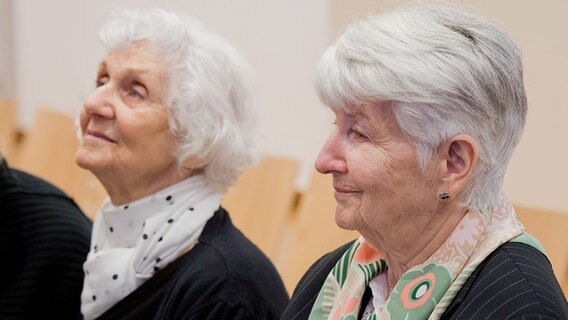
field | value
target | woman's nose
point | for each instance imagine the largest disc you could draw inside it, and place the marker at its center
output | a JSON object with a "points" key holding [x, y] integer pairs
{"points": [[330, 158], [100, 102]]}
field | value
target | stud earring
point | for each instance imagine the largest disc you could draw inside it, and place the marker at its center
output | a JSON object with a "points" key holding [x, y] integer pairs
{"points": [[444, 195]]}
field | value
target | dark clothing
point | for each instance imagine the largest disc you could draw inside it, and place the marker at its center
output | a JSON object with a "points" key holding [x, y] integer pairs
{"points": [[224, 276], [44, 240], [309, 286], [514, 282]]}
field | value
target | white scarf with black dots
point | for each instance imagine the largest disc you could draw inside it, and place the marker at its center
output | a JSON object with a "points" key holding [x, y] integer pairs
{"points": [[130, 243]]}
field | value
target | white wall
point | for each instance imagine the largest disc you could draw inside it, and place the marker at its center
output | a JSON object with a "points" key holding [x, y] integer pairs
{"points": [[57, 51]]}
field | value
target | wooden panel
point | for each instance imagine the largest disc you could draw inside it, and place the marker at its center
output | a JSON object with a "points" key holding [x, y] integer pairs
{"points": [[49, 152], [49, 148], [8, 128], [551, 228], [313, 231], [262, 200]]}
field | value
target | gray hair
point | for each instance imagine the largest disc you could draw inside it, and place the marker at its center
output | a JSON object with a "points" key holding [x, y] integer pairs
{"points": [[209, 102], [446, 71]]}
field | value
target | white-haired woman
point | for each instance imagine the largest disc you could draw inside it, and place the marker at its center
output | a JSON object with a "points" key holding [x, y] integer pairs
{"points": [[429, 104], [167, 130]]}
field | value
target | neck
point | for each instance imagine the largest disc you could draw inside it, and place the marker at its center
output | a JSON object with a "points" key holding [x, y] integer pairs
{"points": [[126, 189], [413, 242]]}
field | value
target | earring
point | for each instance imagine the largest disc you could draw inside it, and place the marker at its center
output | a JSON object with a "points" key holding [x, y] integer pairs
{"points": [[444, 195]]}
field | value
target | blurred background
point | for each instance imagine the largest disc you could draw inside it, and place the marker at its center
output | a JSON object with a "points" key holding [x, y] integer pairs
{"points": [[49, 52]]}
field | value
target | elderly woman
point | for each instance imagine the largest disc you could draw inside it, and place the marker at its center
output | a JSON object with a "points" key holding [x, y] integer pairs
{"points": [[429, 104], [167, 130]]}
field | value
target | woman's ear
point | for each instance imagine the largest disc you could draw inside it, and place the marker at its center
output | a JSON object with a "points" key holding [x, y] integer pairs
{"points": [[459, 157], [193, 165]]}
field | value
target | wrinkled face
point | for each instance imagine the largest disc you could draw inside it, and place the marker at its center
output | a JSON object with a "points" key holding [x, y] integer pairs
{"points": [[376, 175], [124, 121]]}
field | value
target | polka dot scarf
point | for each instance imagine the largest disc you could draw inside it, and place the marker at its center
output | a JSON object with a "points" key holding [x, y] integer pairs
{"points": [[425, 290], [130, 243]]}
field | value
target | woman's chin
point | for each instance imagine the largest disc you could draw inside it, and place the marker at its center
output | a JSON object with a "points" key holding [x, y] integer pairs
{"points": [[86, 161], [345, 219]]}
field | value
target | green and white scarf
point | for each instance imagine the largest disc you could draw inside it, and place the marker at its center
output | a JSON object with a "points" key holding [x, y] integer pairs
{"points": [[425, 290]]}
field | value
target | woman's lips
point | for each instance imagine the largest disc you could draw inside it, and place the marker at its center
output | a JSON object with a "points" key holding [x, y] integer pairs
{"points": [[99, 135], [346, 190]]}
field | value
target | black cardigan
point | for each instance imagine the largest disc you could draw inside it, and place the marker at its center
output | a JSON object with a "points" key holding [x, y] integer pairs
{"points": [[514, 282], [44, 240], [224, 276]]}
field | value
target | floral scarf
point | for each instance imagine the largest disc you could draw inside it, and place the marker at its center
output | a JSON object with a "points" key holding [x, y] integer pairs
{"points": [[426, 290]]}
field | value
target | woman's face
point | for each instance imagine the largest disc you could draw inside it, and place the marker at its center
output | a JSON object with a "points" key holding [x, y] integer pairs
{"points": [[376, 175], [124, 121]]}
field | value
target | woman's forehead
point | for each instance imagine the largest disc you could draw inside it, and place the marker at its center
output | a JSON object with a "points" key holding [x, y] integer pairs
{"points": [[140, 56], [365, 111]]}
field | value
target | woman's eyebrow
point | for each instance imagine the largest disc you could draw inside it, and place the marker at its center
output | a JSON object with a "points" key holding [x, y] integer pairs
{"points": [[362, 118], [357, 114], [102, 66], [137, 69]]}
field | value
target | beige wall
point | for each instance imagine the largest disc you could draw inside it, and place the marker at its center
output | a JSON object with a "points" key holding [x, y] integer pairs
{"points": [[57, 50], [538, 173]]}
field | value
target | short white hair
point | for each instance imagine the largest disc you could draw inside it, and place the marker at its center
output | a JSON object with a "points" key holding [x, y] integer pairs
{"points": [[209, 101], [446, 71]]}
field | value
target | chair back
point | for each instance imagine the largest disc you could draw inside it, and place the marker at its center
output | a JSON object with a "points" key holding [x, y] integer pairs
{"points": [[262, 200]]}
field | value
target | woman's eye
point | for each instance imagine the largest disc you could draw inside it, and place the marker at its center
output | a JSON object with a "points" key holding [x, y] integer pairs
{"points": [[137, 91], [356, 134], [102, 81], [135, 94]]}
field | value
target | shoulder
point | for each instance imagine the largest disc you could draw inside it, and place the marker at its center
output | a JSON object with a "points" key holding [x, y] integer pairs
{"points": [[235, 256], [315, 276], [37, 214], [515, 280], [310, 284], [15, 181], [45, 238], [26, 198], [225, 271]]}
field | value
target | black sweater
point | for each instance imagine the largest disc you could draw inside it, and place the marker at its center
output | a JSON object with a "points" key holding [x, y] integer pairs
{"points": [[514, 282], [224, 276], [44, 240]]}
